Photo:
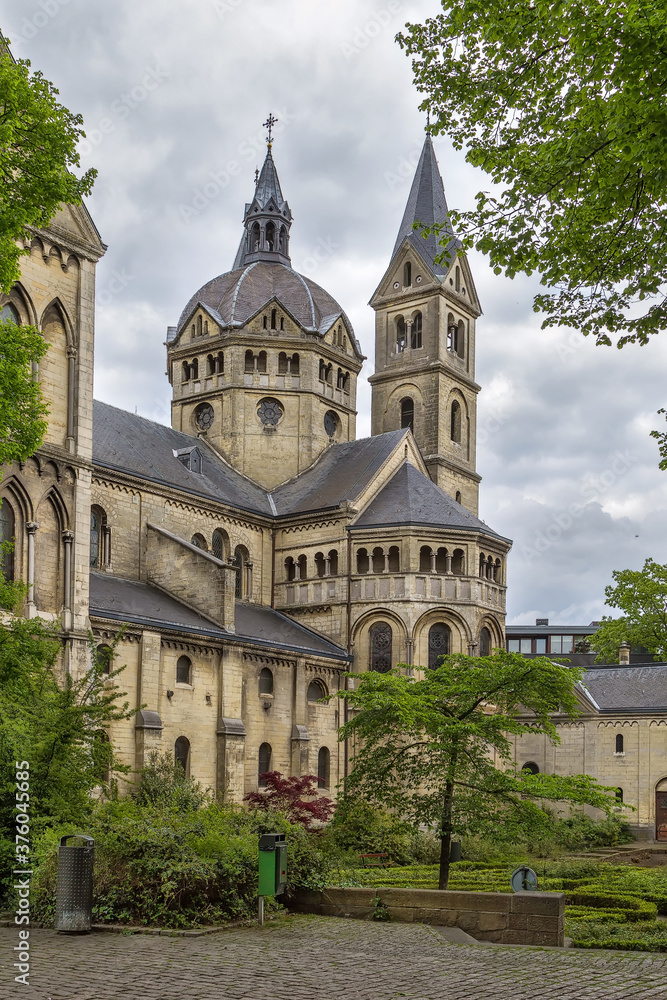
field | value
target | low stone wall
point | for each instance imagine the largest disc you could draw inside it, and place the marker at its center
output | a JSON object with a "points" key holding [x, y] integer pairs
{"points": [[507, 918]]}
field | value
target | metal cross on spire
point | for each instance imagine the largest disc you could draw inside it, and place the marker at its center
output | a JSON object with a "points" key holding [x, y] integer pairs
{"points": [[268, 124]]}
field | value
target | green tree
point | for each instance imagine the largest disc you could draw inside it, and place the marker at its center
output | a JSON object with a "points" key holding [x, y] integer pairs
{"points": [[38, 138], [562, 105], [438, 751], [642, 597]]}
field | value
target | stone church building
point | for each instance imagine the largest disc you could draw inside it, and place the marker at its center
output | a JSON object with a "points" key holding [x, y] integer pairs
{"points": [[256, 550]]}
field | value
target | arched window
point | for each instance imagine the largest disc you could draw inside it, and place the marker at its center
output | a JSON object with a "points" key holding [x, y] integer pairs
{"points": [[255, 237], [497, 571], [316, 690], [485, 642], [455, 422], [416, 338], [333, 562], [458, 562], [104, 658], [263, 763], [206, 328], [249, 362], [482, 565], [290, 569], [265, 681], [425, 559], [407, 274], [400, 335], [243, 572], [439, 643], [8, 314], [265, 322], [261, 361], [210, 364], [394, 559], [362, 561], [323, 767], [457, 279], [531, 766], [199, 326], [619, 743], [282, 363], [320, 564], [98, 535], [302, 563], [194, 368], [220, 544], [381, 641], [7, 530], [441, 559], [458, 496], [295, 364], [378, 559], [273, 319], [619, 795], [199, 541], [186, 371], [270, 243], [182, 753], [460, 339], [184, 670], [408, 413], [220, 363], [282, 245]]}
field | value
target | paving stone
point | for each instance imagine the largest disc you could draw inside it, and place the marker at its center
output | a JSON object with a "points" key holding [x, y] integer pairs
{"points": [[320, 958]]}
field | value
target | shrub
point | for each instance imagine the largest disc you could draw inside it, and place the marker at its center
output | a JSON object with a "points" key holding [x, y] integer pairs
{"points": [[360, 828]]}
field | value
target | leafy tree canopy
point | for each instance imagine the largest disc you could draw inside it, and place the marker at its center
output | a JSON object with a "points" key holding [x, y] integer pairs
{"points": [[438, 751], [642, 597], [22, 411], [38, 138], [562, 105], [296, 797]]}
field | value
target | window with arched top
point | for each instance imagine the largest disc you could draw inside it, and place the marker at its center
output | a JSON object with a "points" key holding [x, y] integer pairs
{"points": [[400, 334], [460, 338], [316, 690], [182, 753], [220, 544], [249, 361], [295, 365], [425, 559], [455, 422], [484, 642], [9, 314], [394, 559], [199, 541], [619, 795], [243, 572], [442, 560], [531, 767], [333, 562], [408, 413], [619, 743], [457, 279], [378, 559], [194, 368], [263, 763], [103, 658], [7, 532], [407, 274], [362, 561], [282, 363], [320, 564], [302, 564], [99, 556], [199, 326], [380, 642], [282, 240], [290, 569], [271, 238], [323, 767], [255, 236], [416, 336], [261, 362], [210, 364], [265, 681], [184, 670], [439, 643], [458, 562], [273, 319], [458, 496]]}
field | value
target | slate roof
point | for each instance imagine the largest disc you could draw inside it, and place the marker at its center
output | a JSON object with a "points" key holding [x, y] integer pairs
{"points": [[140, 603], [642, 687], [410, 497], [427, 204], [341, 473], [268, 185], [238, 295], [130, 443]]}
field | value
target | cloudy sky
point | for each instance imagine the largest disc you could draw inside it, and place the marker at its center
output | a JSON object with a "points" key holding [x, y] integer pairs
{"points": [[173, 94]]}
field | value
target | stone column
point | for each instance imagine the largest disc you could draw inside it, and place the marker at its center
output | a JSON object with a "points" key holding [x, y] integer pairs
{"points": [[448, 564], [68, 538], [327, 566], [386, 562], [31, 527], [71, 396], [433, 558]]}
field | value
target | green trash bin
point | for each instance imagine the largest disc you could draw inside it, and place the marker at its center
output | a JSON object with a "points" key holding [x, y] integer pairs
{"points": [[272, 864]]}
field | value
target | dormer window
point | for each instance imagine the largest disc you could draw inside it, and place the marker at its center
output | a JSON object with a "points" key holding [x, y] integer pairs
{"points": [[191, 458]]}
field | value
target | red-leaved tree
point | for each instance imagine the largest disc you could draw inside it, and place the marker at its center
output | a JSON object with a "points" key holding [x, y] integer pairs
{"points": [[296, 797]]}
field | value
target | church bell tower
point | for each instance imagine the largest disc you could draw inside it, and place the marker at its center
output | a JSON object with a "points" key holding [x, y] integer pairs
{"points": [[425, 340]]}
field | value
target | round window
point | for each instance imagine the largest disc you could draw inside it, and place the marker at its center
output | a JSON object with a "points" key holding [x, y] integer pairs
{"points": [[204, 416], [270, 411], [331, 423]]}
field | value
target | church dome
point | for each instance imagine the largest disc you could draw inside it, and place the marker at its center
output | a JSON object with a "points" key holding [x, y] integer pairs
{"points": [[233, 298]]}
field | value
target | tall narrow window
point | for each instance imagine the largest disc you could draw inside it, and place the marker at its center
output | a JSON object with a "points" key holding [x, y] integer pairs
{"points": [[619, 744], [400, 335], [97, 524], [270, 238], [408, 413], [407, 274], [439, 643], [199, 326], [7, 529], [182, 753], [619, 795], [455, 422], [362, 561], [8, 314], [220, 544], [104, 658], [241, 560], [381, 642], [485, 642], [282, 363], [460, 339], [265, 681], [273, 319], [184, 670], [457, 279], [416, 339], [295, 364], [323, 767], [249, 361], [263, 763], [333, 562], [261, 361], [425, 559]]}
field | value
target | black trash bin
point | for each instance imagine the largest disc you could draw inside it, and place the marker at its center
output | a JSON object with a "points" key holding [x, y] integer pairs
{"points": [[74, 895], [455, 851]]}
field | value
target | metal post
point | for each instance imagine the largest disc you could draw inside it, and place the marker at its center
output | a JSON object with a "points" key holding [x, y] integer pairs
{"points": [[260, 910]]}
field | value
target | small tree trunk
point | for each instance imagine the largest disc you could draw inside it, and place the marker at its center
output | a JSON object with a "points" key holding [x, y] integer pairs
{"points": [[446, 835]]}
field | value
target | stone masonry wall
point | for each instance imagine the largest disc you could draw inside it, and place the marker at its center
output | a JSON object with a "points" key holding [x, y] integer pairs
{"points": [[535, 918]]}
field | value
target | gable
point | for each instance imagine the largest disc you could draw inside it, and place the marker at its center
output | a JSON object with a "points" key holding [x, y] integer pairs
{"points": [[73, 227], [393, 282]]}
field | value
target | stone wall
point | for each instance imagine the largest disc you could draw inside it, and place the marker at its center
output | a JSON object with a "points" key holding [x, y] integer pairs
{"points": [[535, 918]]}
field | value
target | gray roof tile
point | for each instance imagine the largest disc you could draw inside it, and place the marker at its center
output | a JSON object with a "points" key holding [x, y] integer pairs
{"points": [[410, 497], [643, 687]]}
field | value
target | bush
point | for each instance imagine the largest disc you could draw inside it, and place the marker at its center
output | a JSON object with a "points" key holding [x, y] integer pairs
{"points": [[360, 828], [628, 937]]}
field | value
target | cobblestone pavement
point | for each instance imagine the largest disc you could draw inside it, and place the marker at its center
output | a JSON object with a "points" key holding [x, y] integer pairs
{"points": [[320, 958]]}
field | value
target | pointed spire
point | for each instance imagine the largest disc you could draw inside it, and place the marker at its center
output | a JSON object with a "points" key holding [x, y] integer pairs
{"points": [[267, 220], [427, 205]]}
